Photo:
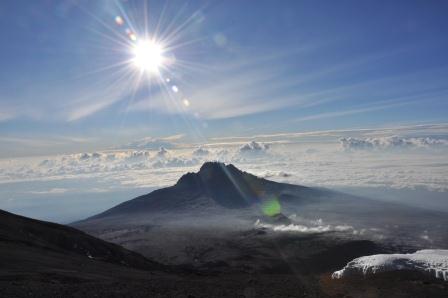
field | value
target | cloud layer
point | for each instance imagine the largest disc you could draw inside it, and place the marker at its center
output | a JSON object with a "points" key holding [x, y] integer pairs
{"points": [[393, 142], [254, 148], [313, 164]]}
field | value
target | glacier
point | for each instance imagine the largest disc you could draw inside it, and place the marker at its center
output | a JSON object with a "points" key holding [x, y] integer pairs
{"points": [[429, 261]]}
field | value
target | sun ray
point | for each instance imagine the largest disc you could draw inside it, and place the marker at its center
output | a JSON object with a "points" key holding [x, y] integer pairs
{"points": [[150, 57]]}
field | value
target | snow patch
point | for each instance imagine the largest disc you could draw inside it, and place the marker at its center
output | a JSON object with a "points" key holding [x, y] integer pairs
{"points": [[430, 261]]}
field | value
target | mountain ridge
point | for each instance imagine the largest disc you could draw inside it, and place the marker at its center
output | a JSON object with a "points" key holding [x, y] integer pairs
{"points": [[215, 185]]}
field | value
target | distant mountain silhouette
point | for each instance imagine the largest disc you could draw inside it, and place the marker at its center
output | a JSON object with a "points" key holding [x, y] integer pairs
{"points": [[216, 185]]}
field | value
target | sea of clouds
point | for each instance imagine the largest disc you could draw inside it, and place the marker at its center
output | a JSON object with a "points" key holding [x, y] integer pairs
{"points": [[343, 163]]}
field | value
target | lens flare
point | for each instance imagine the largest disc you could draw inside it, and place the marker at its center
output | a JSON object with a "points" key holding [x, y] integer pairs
{"points": [[271, 207], [119, 20]]}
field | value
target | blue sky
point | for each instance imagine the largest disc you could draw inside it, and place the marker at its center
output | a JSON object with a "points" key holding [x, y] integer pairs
{"points": [[245, 67]]}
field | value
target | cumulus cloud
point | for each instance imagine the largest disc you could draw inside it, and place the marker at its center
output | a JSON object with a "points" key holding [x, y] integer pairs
{"points": [[392, 142], [201, 151], [254, 148], [138, 155], [175, 162], [162, 152]]}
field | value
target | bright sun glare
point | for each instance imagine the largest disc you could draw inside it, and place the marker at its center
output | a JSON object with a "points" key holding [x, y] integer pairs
{"points": [[148, 56]]}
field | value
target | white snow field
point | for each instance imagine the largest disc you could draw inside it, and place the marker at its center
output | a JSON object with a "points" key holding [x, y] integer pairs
{"points": [[430, 261]]}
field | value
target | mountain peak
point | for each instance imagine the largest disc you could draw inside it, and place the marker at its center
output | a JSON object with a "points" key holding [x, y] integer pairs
{"points": [[216, 166], [226, 184], [209, 170], [212, 165]]}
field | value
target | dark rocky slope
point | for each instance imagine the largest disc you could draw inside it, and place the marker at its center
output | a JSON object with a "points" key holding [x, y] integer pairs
{"points": [[18, 232]]}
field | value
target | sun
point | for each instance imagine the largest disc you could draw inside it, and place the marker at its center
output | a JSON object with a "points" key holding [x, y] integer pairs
{"points": [[148, 56]]}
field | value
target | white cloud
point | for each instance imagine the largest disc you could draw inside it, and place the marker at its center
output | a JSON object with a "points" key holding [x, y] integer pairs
{"points": [[254, 148], [392, 142], [254, 85], [162, 152], [405, 131], [285, 163], [312, 228], [92, 98], [201, 151], [175, 162]]}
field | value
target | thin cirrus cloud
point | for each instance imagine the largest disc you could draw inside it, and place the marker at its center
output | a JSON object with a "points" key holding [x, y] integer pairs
{"points": [[233, 91], [408, 131], [270, 84], [335, 114], [244, 87], [44, 142], [99, 96]]}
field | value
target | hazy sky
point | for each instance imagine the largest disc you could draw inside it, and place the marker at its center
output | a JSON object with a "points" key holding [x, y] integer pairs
{"points": [[235, 68]]}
